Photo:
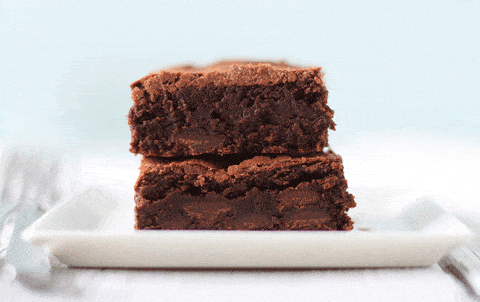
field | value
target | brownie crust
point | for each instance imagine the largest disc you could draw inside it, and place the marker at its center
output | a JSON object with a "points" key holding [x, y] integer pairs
{"points": [[274, 192], [230, 107]]}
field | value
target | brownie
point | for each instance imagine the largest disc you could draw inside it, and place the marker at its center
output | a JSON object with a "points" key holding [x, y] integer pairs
{"points": [[236, 192], [229, 108]]}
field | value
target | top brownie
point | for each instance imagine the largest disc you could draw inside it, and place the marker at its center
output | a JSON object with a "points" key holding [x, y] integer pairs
{"points": [[230, 107]]}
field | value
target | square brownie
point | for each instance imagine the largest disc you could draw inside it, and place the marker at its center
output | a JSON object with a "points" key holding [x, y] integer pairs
{"points": [[235, 192], [230, 108]]}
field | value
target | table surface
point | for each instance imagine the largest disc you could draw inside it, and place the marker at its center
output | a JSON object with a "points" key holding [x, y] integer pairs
{"points": [[410, 284], [402, 79]]}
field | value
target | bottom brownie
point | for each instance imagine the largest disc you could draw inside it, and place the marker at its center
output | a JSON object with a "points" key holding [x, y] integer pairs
{"points": [[233, 193]]}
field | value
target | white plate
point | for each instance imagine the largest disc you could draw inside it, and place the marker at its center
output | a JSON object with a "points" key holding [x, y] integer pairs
{"points": [[96, 230]]}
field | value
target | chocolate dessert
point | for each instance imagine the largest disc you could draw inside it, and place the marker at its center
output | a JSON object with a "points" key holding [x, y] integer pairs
{"points": [[230, 108], [275, 192], [236, 146]]}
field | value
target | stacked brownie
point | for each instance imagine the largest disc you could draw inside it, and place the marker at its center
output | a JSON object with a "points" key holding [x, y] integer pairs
{"points": [[236, 146]]}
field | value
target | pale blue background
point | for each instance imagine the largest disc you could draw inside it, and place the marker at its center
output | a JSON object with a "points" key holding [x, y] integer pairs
{"points": [[390, 65]]}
